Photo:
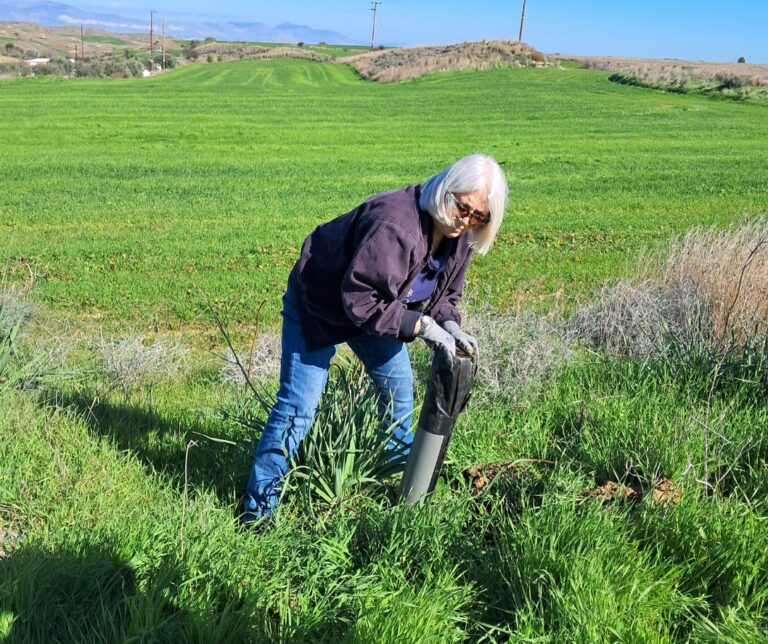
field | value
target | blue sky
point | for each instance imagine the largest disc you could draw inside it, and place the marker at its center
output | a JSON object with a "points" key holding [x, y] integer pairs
{"points": [[695, 30]]}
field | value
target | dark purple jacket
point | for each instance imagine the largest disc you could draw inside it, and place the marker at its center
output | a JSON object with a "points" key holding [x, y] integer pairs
{"points": [[355, 269]]}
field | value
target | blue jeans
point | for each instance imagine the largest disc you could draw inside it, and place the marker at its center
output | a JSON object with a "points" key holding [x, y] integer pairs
{"points": [[303, 375]]}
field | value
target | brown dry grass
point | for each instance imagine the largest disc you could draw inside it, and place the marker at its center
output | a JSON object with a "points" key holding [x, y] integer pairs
{"points": [[395, 65], [728, 270], [669, 72], [709, 291]]}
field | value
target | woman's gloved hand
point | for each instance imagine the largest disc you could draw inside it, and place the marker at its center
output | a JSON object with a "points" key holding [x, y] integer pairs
{"points": [[465, 342], [436, 336]]}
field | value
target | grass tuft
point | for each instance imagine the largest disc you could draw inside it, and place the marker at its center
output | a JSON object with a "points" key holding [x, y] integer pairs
{"points": [[129, 363]]}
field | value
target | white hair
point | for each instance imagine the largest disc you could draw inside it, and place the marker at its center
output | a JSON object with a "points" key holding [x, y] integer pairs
{"points": [[473, 173]]}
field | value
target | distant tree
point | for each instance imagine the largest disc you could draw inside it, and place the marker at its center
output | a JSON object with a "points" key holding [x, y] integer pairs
{"points": [[191, 51], [300, 43], [209, 39], [741, 59]]}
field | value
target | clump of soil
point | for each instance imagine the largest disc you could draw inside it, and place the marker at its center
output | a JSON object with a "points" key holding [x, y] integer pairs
{"points": [[9, 541], [482, 477], [664, 492], [611, 491], [394, 65]]}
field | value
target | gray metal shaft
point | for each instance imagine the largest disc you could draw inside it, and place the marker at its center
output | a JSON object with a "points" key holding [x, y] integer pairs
{"points": [[420, 468]]}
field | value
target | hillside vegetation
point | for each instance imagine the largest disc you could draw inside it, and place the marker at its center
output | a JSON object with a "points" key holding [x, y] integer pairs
{"points": [[403, 63], [740, 81]]}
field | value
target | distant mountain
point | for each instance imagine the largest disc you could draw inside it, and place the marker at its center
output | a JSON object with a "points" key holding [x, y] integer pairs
{"points": [[177, 25], [55, 14]]}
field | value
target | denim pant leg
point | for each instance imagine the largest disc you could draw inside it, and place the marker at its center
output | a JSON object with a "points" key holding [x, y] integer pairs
{"points": [[387, 362], [303, 375]]}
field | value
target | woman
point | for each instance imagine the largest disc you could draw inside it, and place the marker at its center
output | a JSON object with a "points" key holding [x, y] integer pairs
{"points": [[377, 277]]}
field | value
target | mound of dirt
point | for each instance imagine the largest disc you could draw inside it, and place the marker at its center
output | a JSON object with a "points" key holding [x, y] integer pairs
{"points": [[663, 492], [394, 65]]}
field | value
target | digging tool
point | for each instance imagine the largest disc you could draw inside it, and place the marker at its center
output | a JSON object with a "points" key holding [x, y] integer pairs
{"points": [[447, 394]]}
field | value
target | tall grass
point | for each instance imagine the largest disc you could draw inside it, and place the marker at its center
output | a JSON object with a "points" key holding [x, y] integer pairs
{"points": [[729, 80]]}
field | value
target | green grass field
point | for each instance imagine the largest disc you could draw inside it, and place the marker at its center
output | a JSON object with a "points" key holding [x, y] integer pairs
{"points": [[118, 503], [110, 40], [131, 194]]}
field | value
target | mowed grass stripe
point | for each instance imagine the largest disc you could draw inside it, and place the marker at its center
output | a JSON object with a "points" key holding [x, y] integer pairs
{"points": [[211, 175]]}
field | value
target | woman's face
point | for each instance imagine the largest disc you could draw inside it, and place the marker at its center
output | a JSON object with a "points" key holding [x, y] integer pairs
{"points": [[467, 210]]}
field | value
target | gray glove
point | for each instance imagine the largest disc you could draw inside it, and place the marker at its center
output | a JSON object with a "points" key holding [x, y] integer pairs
{"points": [[465, 342], [436, 336]]}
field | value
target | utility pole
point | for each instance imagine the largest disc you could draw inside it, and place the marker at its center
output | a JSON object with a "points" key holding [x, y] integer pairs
{"points": [[373, 22], [82, 44], [522, 19], [163, 43], [151, 40]]}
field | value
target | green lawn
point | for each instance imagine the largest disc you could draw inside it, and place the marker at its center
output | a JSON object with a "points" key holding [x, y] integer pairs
{"points": [[131, 194], [110, 40]]}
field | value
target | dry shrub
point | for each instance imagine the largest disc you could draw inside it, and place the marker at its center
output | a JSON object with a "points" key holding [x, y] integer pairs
{"points": [[639, 318], [15, 309], [517, 351], [728, 269], [294, 52], [129, 363], [710, 291], [395, 65], [224, 52], [40, 347], [261, 363], [668, 72]]}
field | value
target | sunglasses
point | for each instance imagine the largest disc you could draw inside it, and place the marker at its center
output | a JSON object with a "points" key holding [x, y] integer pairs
{"points": [[476, 217]]}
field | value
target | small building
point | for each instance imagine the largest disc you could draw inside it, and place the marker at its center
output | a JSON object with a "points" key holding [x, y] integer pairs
{"points": [[34, 62]]}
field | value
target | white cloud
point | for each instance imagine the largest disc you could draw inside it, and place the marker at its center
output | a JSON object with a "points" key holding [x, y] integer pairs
{"points": [[99, 23]]}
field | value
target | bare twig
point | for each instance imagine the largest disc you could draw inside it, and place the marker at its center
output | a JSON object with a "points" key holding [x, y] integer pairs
{"points": [[222, 329]]}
